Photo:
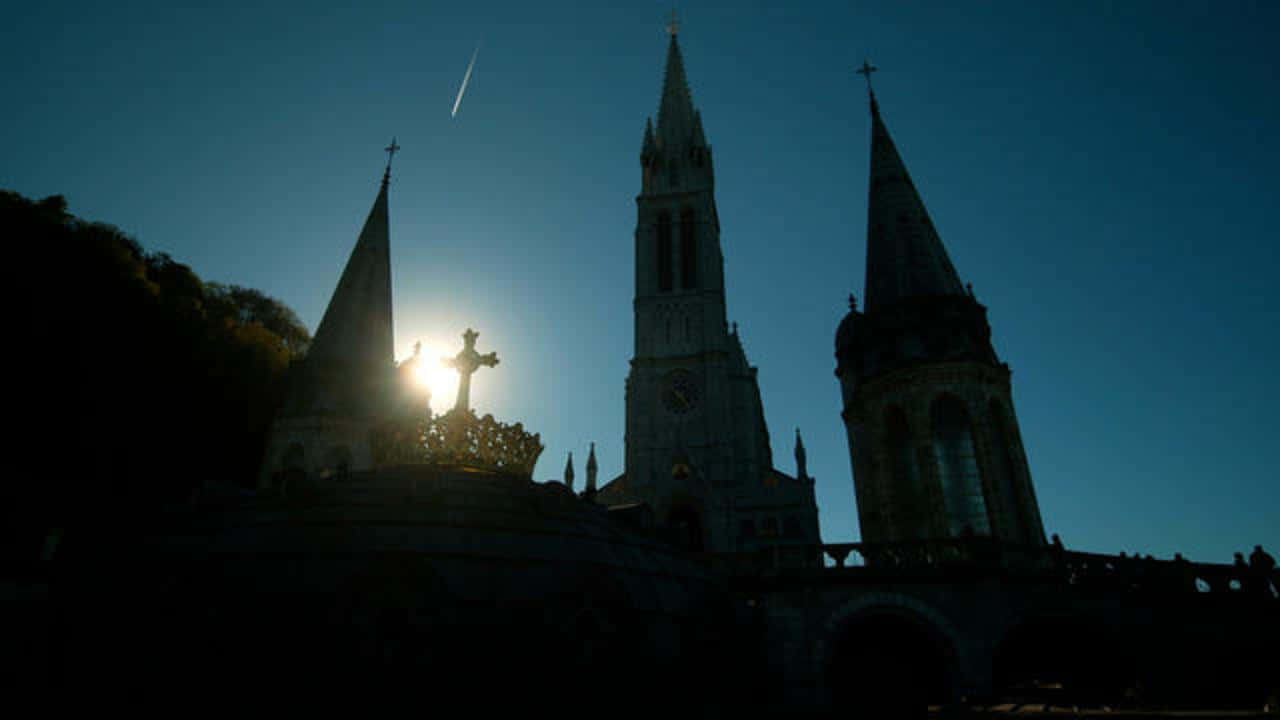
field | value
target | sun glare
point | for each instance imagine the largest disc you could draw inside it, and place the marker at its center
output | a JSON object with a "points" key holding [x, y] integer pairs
{"points": [[440, 380]]}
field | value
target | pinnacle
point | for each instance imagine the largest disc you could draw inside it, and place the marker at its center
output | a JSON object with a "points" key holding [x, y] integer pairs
{"points": [[676, 116]]}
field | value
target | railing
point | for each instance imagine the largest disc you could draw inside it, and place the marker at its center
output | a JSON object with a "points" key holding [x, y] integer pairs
{"points": [[1080, 569]]}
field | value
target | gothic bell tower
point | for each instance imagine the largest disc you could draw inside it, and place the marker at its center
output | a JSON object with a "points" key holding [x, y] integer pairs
{"points": [[697, 449], [928, 405]]}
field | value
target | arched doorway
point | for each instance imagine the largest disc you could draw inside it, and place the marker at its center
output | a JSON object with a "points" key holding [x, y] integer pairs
{"points": [[889, 662]]}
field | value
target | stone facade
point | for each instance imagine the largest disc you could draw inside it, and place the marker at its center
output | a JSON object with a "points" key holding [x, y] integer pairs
{"points": [[985, 393]]}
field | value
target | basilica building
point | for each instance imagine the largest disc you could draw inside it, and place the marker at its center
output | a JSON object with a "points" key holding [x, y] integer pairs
{"points": [[391, 554]]}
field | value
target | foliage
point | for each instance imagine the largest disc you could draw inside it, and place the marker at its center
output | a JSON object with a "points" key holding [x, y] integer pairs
{"points": [[153, 380]]}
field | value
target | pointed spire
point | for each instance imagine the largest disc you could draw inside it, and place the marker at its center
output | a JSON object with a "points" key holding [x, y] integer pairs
{"points": [[649, 147], [676, 117], [905, 256], [802, 465], [568, 472], [592, 469], [356, 328]]}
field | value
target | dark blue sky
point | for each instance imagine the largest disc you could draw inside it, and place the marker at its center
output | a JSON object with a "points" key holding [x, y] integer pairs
{"points": [[1104, 175]]}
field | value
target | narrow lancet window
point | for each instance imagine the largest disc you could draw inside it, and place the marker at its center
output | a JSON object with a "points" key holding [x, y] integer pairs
{"points": [[910, 510], [958, 471], [664, 252], [688, 250]]}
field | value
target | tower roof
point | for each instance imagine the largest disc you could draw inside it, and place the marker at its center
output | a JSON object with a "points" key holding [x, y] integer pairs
{"points": [[355, 331], [905, 256], [678, 122]]}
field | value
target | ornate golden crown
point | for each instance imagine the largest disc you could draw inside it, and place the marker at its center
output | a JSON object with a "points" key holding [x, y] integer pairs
{"points": [[460, 439]]}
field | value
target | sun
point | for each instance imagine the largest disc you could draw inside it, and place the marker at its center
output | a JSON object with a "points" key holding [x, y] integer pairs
{"points": [[439, 380]]}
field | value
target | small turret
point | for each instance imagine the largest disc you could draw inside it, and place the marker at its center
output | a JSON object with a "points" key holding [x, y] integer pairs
{"points": [[802, 465], [592, 469], [568, 472]]}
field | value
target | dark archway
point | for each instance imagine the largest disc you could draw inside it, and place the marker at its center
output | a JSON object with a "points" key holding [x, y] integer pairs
{"points": [[889, 662]]}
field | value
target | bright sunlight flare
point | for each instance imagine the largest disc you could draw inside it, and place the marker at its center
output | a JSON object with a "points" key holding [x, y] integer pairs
{"points": [[441, 381]]}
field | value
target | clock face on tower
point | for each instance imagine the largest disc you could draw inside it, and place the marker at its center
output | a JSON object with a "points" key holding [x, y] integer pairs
{"points": [[679, 392]]}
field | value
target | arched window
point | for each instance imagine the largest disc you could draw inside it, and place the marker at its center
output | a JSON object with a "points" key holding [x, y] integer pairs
{"points": [[1005, 474], [907, 493], [958, 468], [664, 252], [688, 250]]}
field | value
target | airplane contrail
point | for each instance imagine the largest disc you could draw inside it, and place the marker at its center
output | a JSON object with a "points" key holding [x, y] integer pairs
{"points": [[465, 79]]}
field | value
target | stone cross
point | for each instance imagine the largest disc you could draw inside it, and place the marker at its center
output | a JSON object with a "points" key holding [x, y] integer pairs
{"points": [[466, 363], [866, 70], [390, 150]]}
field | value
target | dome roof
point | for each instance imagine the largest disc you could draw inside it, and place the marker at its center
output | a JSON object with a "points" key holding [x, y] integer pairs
{"points": [[847, 333]]}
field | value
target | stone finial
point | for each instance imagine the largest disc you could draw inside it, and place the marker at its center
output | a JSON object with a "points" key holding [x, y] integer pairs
{"points": [[802, 465], [592, 469]]}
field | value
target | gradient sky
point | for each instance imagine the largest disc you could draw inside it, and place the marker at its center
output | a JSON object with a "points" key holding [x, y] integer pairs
{"points": [[1104, 175]]}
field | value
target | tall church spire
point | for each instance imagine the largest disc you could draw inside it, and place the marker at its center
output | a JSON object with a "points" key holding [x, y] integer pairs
{"points": [[355, 331], [905, 256]]}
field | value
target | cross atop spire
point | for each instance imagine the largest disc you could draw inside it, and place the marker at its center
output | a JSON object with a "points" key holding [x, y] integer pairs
{"points": [[865, 71], [391, 151], [673, 27]]}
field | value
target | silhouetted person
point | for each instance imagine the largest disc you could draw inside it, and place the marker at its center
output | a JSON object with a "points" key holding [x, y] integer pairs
{"points": [[1261, 565], [1241, 570], [1259, 560], [1183, 578]]}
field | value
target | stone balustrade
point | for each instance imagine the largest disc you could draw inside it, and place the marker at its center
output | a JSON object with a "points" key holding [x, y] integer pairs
{"points": [[1081, 569]]}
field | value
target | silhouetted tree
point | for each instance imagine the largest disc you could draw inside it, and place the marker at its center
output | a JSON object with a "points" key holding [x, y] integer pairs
{"points": [[148, 381]]}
